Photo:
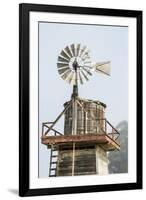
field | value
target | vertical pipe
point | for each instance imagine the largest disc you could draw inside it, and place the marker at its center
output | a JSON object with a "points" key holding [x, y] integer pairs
{"points": [[85, 122], [105, 126], [102, 116], [73, 159], [82, 120], [74, 104], [99, 117], [96, 156], [74, 116], [42, 129], [96, 121]]}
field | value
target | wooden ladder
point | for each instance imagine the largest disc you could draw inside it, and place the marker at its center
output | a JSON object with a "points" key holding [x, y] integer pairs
{"points": [[53, 162]]}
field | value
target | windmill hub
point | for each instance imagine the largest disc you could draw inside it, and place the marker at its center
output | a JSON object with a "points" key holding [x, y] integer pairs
{"points": [[75, 65]]}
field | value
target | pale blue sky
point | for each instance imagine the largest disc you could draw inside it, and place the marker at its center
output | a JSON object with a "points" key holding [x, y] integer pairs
{"points": [[105, 43]]}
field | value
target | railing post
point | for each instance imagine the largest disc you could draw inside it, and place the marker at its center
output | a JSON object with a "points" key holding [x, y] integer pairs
{"points": [[112, 133], [105, 126], [42, 128]]}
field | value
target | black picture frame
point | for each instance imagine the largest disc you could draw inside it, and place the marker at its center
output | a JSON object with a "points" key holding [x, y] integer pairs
{"points": [[24, 10]]}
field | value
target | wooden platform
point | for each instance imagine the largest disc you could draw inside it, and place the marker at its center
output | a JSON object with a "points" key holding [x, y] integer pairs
{"points": [[107, 142]]}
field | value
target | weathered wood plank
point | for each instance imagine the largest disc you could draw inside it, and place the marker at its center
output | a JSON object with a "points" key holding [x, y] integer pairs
{"points": [[69, 139], [84, 162], [86, 124], [73, 138]]}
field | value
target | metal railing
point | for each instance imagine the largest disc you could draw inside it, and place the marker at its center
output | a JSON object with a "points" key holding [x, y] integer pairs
{"points": [[103, 125], [46, 128], [108, 129]]}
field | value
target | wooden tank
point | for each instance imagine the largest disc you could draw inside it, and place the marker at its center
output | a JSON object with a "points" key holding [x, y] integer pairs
{"points": [[87, 123]]}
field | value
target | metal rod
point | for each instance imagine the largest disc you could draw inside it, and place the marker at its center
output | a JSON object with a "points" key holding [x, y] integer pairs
{"points": [[74, 99], [73, 159], [112, 133], [65, 109], [53, 130], [74, 116], [42, 128], [81, 106], [102, 71], [47, 122], [86, 122], [112, 127], [105, 126]]}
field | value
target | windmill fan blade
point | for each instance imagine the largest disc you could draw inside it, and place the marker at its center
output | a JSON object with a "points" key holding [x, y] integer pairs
{"points": [[78, 49], [60, 65], [73, 49], [64, 54], [89, 67], [80, 77], [66, 74], [86, 70], [62, 71], [73, 79], [67, 49], [63, 68], [88, 62], [82, 51], [61, 59], [70, 77], [102, 67], [84, 75], [85, 54], [86, 57]]}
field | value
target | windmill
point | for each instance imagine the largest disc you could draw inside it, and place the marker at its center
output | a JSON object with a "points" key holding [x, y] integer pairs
{"points": [[88, 135], [75, 66]]}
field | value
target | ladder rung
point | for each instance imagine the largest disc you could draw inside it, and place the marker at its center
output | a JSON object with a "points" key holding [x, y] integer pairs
{"points": [[54, 175], [54, 156], [52, 169], [54, 153], [54, 162]]}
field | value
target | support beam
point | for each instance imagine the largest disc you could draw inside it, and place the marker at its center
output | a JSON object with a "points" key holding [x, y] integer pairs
{"points": [[65, 109]]}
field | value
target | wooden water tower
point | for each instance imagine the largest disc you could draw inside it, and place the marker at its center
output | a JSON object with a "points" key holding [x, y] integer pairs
{"points": [[88, 135]]}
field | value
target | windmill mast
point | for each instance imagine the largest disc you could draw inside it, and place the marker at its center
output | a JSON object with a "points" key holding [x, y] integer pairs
{"points": [[74, 98], [75, 85], [74, 110]]}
